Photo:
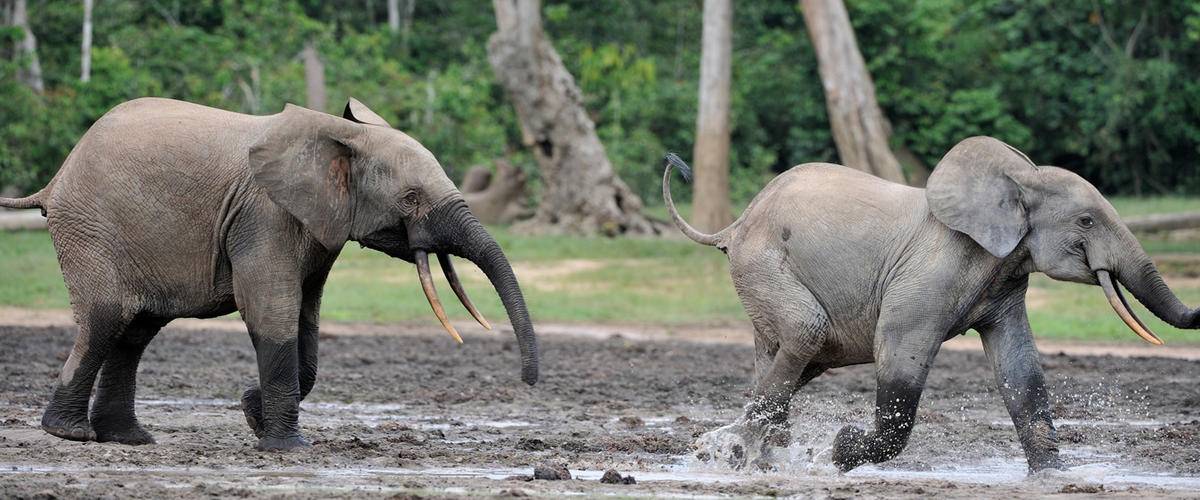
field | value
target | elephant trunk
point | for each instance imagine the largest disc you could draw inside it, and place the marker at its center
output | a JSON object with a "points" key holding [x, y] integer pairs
{"points": [[1138, 273], [469, 239]]}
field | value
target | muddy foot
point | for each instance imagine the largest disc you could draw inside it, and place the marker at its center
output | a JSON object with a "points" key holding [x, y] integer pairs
{"points": [[74, 428], [292, 443], [849, 449], [130, 434], [252, 408], [741, 443]]}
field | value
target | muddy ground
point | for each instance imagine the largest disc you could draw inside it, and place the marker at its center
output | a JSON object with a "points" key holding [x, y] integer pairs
{"points": [[413, 414]]}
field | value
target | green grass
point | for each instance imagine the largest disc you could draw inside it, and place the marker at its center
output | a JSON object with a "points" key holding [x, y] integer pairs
{"points": [[630, 280]]}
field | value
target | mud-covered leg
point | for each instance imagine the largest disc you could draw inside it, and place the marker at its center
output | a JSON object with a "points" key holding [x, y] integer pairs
{"points": [[904, 351], [112, 414], [67, 414], [787, 336], [307, 348], [1009, 346]]}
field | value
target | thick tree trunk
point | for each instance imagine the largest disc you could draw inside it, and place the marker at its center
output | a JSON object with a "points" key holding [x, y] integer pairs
{"points": [[314, 77], [27, 46], [495, 198], [859, 127], [1164, 222], [582, 194], [85, 46], [711, 206]]}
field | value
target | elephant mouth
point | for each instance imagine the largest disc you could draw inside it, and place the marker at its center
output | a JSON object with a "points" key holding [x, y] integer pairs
{"points": [[1116, 299], [422, 260]]}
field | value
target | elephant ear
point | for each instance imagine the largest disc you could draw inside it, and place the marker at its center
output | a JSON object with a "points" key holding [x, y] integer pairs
{"points": [[359, 112], [973, 191], [303, 163]]}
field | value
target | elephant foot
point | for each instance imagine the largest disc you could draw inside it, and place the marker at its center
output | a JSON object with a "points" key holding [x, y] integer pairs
{"points": [[850, 448], [128, 432], [743, 443], [291, 443], [67, 426], [252, 408], [1045, 462]]}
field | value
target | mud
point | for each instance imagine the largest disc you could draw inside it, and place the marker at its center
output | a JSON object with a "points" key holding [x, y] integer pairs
{"points": [[414, 414]]}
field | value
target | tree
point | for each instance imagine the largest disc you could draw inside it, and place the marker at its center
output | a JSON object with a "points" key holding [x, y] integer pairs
{"points": [[85, 46], [581, 192], [27, 46], [314, 77], [711, 204], [860, 130]]}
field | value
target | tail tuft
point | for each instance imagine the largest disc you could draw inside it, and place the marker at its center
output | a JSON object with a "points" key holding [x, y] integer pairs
{"points": [[673, 160]]}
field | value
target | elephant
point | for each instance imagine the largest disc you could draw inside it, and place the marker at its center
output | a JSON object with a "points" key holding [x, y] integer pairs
{"points": [[836, 267], [166, 209]]}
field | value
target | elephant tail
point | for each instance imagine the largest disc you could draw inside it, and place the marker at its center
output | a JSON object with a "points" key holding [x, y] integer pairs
{"points": [[716, 239], [35, 200]]}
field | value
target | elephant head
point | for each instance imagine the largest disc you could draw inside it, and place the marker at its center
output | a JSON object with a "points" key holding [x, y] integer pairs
{"points": [[356, 178], [997, 196]]}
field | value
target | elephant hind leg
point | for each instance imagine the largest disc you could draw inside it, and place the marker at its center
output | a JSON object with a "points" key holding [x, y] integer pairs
{"points": [[112, 414], [67, 414]]}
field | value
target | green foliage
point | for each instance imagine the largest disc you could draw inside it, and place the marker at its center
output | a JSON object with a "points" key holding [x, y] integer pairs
{"points": [[1107, 88]]}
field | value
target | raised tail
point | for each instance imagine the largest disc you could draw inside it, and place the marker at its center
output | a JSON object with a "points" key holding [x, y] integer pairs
{"points": [[673, 160], [34, 200]]}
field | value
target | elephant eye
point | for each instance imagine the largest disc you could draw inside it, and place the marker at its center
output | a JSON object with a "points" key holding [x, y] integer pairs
{"points": [[1087, 221], [410, 199]]}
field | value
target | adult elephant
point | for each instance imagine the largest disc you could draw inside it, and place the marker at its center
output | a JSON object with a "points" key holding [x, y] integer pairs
{"points": [[836, 267], [166, 209]]}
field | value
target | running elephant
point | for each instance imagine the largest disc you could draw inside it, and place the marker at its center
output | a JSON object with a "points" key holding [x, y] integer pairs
{"points": [[166, 209], [836, 267]]}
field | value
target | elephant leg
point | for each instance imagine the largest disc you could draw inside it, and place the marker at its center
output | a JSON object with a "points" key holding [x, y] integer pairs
{"points": [[271, 309], [112, 414], [903, 355], [1009, 346], [790, 328], [67, 415], [307, 351]]}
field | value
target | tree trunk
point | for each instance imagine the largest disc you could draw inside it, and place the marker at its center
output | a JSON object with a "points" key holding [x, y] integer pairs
{"points": [[406, 25], [394, 15], [495, 198], [85, 47], [1164, 222], [711, 207], [314, 77], [859, 127], [581, 194], [27, 46]]}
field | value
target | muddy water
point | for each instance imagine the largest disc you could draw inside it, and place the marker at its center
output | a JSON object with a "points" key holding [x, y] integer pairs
{"points": [[416, 414]]}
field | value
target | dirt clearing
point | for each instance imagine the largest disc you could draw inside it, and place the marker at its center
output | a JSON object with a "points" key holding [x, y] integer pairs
{"points": [[413, 413]]}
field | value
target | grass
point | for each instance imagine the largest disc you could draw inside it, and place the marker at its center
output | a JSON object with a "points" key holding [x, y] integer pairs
{"points": [[631, 280]]}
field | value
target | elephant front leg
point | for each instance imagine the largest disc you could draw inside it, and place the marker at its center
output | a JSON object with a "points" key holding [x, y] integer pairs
{"points": [[271, 310], [1009, 346], [307, 350], [902, 363]]}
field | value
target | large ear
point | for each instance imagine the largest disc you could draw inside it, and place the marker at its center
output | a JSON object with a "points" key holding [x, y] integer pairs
{"points": [[303, 163], [973, 191], [359, 112]]}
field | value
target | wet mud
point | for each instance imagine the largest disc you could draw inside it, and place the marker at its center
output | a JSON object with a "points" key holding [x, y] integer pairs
{"points": [[414, 414]]}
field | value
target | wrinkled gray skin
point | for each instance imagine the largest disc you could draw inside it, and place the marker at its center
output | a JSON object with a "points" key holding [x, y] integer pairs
{"points": [[836, 267], [167, 209]]}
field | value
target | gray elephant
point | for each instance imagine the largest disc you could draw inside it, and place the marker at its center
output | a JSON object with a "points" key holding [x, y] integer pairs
{"points": [[166, 209], [836, 267]]}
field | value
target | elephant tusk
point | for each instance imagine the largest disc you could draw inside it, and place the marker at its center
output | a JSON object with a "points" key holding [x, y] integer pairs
{"points": [[1117, 300], [426, 277], [452, 277]]}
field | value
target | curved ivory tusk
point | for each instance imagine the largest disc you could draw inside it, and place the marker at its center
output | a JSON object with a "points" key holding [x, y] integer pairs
{"points": [[1117, 300], [456, 285], [426, 277]]}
